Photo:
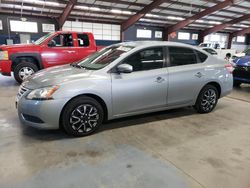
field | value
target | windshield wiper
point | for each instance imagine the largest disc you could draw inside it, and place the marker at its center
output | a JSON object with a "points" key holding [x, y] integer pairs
{"points": [[76, 65]]}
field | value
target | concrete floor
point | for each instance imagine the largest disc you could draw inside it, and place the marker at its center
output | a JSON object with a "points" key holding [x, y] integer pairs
{"points": [[175, 149]]}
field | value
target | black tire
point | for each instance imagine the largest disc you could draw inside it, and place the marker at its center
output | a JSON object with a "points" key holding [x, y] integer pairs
{"points": [[21, 66], [73, 120], [237, 83], [205, 102]]}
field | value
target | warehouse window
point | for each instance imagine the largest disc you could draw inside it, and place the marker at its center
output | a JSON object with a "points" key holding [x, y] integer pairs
{"points": [[183, 36], [147, 59], [241, 39], [20, 26], [181, 56]]}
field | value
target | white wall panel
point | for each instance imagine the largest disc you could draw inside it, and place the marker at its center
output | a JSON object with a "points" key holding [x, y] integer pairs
{"points": [[97, 31], [77, 24], [106, 26], [115, 32], [98, 37], [115, 37], [87, 25], [107, 37], [79, 29], [106, 32], [87, 30], [100, 31], [67, 24], [97, 26]]}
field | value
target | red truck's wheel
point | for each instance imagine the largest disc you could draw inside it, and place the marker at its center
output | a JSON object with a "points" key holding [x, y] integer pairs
{"points": [[23, 70]]}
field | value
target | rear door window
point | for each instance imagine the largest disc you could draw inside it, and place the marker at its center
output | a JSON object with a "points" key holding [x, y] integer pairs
{"points": [[83, 40], [202, 57], [181, 56]]}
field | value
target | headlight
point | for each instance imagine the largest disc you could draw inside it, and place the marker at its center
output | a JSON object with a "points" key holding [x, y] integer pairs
{"points": [[4, 55], [45, 93]]}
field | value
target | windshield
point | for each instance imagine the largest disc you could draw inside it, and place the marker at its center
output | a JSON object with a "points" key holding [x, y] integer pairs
{"points": [[104, 57], [40, 41]]}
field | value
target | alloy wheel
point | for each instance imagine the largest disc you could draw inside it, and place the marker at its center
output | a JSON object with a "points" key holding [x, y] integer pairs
{"points": [[208, 100], [25, 72], [84, 118]]}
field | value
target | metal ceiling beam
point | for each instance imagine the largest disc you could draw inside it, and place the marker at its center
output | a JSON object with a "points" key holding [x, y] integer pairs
{"points": [[185, 12], [235, 34], [240, 32], [132, 20], [219, 6], [223, 25], [66, 12]]}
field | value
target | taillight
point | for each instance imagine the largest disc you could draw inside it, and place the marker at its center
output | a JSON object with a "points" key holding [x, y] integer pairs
{"points": [[229, 68]]}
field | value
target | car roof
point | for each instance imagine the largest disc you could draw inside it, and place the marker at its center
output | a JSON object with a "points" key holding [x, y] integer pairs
{"points": [[154, 43]]}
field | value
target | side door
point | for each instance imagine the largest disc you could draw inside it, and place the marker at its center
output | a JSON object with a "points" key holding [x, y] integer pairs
{"points": [[143, 89], [60, 50], [186, 75], [84, 46]]}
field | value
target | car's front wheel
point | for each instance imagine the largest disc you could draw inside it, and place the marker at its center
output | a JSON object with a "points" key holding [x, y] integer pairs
{"points": [[82, 116], [207, 99], [24, 70]]}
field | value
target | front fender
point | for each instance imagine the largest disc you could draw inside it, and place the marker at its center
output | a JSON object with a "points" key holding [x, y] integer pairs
{"points": [[37, 56]]}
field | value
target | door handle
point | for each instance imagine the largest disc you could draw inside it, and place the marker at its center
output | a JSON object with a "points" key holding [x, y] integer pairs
{"points": [[199, 74], [159, 79]]}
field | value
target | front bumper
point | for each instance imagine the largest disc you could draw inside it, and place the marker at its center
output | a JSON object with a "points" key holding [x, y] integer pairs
{"points": [[242, 74], [40, 114], [5, 67]]}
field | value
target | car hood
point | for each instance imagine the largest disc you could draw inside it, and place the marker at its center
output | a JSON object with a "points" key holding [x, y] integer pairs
{"points": [[243, 61], [55, 76], [17, 46]]}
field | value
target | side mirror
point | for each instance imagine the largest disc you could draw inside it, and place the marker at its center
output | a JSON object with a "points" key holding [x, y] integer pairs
{"points": [[124, 68], [51, 43]]}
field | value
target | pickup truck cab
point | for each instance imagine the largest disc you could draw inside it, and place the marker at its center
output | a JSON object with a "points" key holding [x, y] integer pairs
{"points": [[53, 49]]}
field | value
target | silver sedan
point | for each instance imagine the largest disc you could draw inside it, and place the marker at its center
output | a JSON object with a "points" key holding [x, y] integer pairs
{"points": [[123, 80]]}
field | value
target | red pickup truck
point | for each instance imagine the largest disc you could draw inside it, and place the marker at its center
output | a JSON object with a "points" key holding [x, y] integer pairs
{"points": [[50, 50]]}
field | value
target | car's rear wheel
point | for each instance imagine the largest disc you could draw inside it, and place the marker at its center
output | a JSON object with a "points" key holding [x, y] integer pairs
{"points": [[207, 99], [24, 70], [82, 116], [237, 83]]}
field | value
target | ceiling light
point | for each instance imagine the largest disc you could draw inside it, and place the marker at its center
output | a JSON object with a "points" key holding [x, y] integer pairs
{"points": [[120, 11], [174, 18], [152, 15], [94, 8], [51, 3], [126, 12], [214, 22], [82, 7], [200, 21], [116, 11], [242, 25]]}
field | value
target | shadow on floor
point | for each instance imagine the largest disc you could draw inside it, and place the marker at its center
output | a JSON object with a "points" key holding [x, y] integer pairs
{"points": [[49, 135]]}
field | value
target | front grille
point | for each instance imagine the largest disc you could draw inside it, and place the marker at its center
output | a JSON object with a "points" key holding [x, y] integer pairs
{"points": [[22, 90]]}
